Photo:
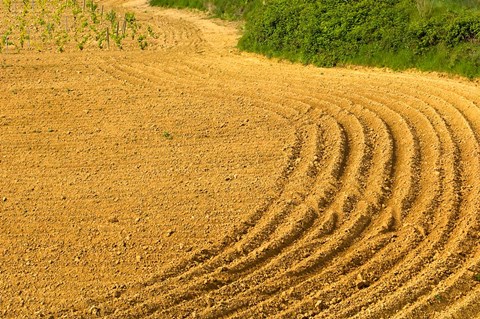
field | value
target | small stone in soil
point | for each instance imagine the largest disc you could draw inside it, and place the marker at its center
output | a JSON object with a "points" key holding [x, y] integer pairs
{"points": [[319, 304], [94, 310]]}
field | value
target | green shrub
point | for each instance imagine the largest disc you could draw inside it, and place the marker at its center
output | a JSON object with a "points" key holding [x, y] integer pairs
{"points": [[433, 35], [391, 33]]}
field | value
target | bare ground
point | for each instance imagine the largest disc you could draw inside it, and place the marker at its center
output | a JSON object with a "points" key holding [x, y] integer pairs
{"points": [[194, 181]]}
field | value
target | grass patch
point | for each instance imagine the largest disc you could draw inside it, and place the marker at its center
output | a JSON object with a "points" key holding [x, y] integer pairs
{"points": [[225, 9]]}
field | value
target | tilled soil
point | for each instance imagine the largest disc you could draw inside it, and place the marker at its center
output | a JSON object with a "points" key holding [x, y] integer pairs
{"points": [[194, 181]]}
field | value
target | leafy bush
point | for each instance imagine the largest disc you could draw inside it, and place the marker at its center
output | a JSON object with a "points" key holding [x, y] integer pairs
{"points": [[392, 33], [440, 35], [325, 32]]}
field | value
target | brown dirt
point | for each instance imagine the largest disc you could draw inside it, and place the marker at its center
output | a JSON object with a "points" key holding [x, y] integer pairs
{"points": [[194, 181]]}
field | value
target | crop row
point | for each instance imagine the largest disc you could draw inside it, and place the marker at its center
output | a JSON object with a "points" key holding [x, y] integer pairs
{"points": [[67, 24]]}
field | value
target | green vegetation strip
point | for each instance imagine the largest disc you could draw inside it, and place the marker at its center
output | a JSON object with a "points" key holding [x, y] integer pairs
{"points": [[430, 35]]}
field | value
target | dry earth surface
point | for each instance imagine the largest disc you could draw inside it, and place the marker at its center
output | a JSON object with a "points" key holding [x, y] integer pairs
{"points": [[194, 181]]}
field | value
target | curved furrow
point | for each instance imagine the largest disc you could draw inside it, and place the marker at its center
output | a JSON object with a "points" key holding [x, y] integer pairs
{"points": [[424, 229], [174, 33], [386, 256], [462, 240], [444, 217], [220, 262], [179, 34], [280, 279], [134, 73], [119, 72], [156, 76], [204, 42], [207, 254], [114, 74], [461, 306], [271, 250], [405, 134], [419, 228], [301, 177], [199, 77], [152, 73]]}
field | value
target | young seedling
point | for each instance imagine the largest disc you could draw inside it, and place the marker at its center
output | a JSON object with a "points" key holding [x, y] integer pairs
{"points": [[93, 11], [131, 23], [142, 41], [82, 42], [60, 40], [151, 33], [112, 17], [101, 37], [167, 135], [42, 23], [6, 38]]}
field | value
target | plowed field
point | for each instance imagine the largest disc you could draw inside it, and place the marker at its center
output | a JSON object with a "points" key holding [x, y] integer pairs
{"points": [[194, 181]]}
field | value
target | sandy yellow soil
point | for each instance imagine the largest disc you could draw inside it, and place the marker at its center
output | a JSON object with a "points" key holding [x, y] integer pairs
{"points": [[194, 181]]}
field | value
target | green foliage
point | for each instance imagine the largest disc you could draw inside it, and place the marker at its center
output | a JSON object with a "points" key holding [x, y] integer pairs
{"points": [[142, 41], [325, 32], [92, 6], [5, 39], [226, 9], [112, 17], [391, 33], [151, 33], [131, 23], [167, 135], [60, 40], [54, 24], [82, 41], [433, 35], [130, 17], [197, 4]]}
